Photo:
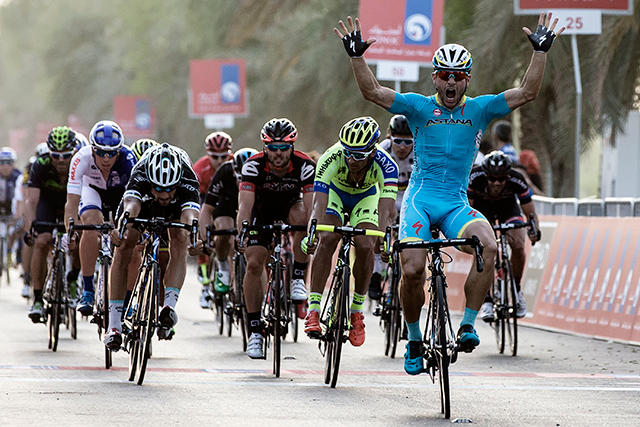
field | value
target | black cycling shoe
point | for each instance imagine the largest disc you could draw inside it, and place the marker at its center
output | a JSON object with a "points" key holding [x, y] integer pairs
{"points": [[375, 289], [468, 338]]}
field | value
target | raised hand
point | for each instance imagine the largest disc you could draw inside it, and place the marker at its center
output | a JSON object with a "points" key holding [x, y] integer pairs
{"points": [[543, 38], [352, 38]]}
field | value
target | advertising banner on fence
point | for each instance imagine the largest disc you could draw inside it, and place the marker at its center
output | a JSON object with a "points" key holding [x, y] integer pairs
{"points": [[405, 30], [217, 86], [526, 7], [136, 116]]}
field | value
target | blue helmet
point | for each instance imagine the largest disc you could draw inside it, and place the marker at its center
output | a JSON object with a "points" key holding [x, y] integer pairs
{"points": [[106, 135]]}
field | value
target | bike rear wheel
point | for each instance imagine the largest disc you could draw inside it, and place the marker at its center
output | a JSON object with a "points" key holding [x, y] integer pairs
{"points": [[442, 348], [148, 318], [396, 315]]}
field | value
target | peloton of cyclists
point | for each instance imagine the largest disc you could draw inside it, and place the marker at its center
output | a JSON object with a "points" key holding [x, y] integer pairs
{"points": [[356, 182], [499, 192], [162, 184], [270, 191], [11, 199], [447, 128]]}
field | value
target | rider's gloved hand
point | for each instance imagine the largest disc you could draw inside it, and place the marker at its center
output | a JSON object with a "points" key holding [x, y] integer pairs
{"points": [[307, 246], [28, 238], [542, 39], [354, 45], [535, 237]]}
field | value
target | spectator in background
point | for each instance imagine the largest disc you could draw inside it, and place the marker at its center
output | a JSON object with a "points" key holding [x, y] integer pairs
{"points": [[502, 141], [529, 160]]}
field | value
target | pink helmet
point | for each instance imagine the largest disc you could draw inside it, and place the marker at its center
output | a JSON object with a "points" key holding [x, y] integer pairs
{"points": [[218, 142]]}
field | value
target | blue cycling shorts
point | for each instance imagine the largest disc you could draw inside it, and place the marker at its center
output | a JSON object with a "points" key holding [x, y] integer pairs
{"points": [[426, 203]]}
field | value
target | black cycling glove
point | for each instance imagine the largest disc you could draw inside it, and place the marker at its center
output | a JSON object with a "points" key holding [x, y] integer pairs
{"points": [[542, 39], [354, 45]]}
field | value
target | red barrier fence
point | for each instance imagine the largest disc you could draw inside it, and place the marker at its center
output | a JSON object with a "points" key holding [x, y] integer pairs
{"points": [[580, 277]]}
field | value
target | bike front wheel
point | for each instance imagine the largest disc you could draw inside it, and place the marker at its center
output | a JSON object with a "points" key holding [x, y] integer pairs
{"points": [[337, 325], [148, 316], [442, 348]]}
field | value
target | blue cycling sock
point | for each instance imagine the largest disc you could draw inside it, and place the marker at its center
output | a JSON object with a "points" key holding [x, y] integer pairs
{"points": [[414, 331], [469, 317], [87, 283]]}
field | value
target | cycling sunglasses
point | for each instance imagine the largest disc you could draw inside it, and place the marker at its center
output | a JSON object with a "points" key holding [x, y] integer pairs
{"points": [[6, 162], [218, 155], [276, 147], [164, 189], [58, 156], [357, 155], [496, 178], [105, 153], [401, 141], [457, 75]]}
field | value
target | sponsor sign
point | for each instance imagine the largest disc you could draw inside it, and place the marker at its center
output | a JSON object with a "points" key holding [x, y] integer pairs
{"points": [[406, 30], [217, 87], [534, 7], [135, 115]]}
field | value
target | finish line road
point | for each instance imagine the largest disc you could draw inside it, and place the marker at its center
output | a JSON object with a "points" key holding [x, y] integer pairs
{"points": [[202, 378]]}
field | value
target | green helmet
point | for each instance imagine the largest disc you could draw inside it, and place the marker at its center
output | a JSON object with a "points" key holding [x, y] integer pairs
{"points": [[141, 146], [61, 138], [360, 134]]}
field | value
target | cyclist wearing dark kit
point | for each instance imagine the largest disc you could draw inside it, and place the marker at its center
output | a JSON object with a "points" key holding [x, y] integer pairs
{"points": [[277, 186], [164, 185], [499, 192], [220, 208], [45, 199]]}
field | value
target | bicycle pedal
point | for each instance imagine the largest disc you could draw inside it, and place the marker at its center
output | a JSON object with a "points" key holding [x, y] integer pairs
{"points": [[314, 335], [377, 312], [466, 348]]}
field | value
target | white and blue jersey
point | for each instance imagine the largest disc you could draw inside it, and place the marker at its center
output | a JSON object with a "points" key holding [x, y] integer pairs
{"points": [[446, 143]]}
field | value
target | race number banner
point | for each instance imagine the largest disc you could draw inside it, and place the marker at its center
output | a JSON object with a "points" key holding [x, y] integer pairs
{"points": [[135, 115], [405, 30], [217, 86]]}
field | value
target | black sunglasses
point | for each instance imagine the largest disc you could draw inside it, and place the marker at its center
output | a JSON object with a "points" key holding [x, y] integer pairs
{"points": [[497, 178]]}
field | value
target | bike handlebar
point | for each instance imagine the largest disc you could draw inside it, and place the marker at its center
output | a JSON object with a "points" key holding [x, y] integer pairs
{"points": [[103, 228], [159, 223], [474, 242], [531, 224]]}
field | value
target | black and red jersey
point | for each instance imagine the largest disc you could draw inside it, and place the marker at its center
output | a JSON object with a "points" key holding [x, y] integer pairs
{"points": [[257, 177]]}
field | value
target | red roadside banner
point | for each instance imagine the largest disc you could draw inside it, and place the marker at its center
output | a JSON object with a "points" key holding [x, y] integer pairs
{"points": [[405, 30], [606, 6], [136, 116], [217, 86]]}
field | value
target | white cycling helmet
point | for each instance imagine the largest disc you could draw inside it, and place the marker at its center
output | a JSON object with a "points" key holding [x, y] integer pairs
{"points": [[452, 57], [8, 154], [164, 166], [42, 149]]}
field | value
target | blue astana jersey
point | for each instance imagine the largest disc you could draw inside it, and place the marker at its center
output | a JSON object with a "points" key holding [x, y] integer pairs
{"points": [[446, 141]]}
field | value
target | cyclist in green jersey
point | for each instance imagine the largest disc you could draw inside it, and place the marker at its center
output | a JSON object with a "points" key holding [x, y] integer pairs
{"points": [[356, 182]]}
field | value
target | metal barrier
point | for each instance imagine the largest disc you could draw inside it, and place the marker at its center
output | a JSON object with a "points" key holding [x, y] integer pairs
{"points": [[618, 206], [570, 206], [591, 207]]}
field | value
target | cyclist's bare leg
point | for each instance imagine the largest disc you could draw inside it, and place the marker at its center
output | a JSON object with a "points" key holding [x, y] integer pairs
{"points": [[517, 240], [41, 248], [120, 267], [412, 297], [134, 264], [298, 215], [177, 266], [224, 244], [255, 279], [477, 284], [363, 266], [323, 258], [90, 241]]}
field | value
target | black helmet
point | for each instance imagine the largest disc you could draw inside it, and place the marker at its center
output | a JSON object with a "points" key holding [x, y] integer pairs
{"points": [[398, 125], [496, 164], [241, 156], [279, 130]]}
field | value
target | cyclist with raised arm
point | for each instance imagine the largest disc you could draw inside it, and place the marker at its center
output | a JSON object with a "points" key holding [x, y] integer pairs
{"points": [[499, 193], [399, 144], [220, 206], [356, 182], [218, 146], [277, 185], [447, 128], [98, 176], [46, 196], [162, 184]]}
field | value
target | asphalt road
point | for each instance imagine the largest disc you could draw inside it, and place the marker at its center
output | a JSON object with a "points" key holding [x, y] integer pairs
{"points": [[202, 378]]}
